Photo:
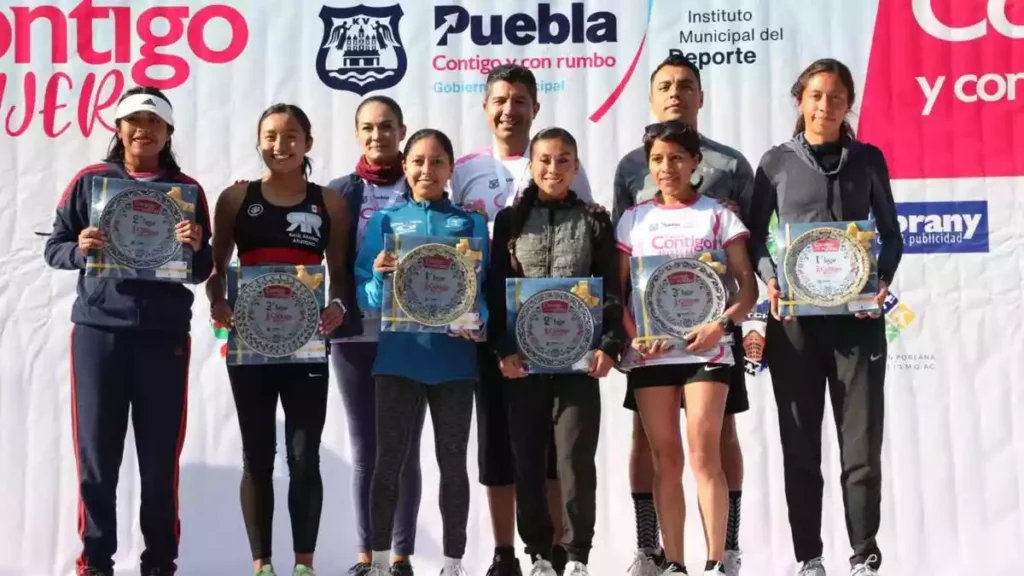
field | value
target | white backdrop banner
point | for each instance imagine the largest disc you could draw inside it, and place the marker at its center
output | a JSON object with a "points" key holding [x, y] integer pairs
{"points": [[940, 89]]}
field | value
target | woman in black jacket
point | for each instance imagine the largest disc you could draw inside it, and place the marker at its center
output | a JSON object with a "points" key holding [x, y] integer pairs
{"points": [[825, 175], [550, 233]]}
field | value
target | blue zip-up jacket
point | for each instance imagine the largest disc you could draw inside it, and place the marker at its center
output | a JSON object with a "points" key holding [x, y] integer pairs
{"points": [[430, 358], [123, 303]]}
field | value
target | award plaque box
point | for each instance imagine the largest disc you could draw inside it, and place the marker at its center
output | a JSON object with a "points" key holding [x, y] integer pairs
{"points": [[276, 315], [557, 322], [827, 268], [435, 286], [672, 296], [138, 219]]}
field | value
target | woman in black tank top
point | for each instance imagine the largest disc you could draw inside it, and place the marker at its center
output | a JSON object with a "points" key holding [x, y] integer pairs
{"points": [[282, 219]]}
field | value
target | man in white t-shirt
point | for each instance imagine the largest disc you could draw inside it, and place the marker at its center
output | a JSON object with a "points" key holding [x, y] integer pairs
{"points": [[487, 181], [651, 229]]}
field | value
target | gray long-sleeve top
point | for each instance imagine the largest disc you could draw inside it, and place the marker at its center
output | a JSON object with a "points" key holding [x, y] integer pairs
{"points": [[791, 182]]}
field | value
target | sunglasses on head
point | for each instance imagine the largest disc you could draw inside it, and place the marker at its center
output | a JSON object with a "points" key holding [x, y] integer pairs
{"points": [[660, 127]]}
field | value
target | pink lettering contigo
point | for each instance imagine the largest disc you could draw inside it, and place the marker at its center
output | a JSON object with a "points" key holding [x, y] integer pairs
{"points": [[141, 40]]}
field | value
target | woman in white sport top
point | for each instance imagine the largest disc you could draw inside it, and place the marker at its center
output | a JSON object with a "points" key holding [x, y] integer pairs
{"points": [[680, 222]]}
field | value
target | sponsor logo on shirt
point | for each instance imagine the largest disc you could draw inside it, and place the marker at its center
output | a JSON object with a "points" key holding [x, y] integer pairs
{"points": [[405, 227]]}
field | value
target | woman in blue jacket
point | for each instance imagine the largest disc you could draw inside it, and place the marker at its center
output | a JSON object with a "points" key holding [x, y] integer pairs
{"points": [[414, 370], [130, 346], [378, 182]]}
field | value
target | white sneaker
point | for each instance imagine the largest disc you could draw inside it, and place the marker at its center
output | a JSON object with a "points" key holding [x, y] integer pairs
{"points": [[670, 570], [865, 569], [812, 568], [542, 567], [266, 570], [719, 571], [576, 569], [302, 570], [732, 562], [453, 567], [643, 565]]}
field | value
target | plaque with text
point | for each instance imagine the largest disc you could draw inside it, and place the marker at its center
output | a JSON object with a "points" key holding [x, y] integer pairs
{"points": [[557, 321], [138, 220], [276, 315]]}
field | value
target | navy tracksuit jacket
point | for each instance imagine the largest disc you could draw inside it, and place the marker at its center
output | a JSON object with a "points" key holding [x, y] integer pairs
{"points": [[130, 346]]}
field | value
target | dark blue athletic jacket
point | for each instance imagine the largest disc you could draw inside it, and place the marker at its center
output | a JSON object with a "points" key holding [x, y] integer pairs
{"points": [[123, 303]]}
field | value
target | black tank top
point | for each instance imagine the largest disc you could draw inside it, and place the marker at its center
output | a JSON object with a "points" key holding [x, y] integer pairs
{"points": [[267, 234]]}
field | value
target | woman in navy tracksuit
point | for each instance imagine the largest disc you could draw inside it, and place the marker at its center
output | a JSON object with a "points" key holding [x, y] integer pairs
{"points": [[130, 346], [417, 370], [377, 183]]}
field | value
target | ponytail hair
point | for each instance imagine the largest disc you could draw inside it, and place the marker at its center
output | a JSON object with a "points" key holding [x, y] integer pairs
{"points": [[828, 66], [300, 116]]}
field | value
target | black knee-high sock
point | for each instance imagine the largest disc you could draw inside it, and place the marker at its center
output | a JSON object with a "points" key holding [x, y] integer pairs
{"points": [[647, 531], [732, 532]]}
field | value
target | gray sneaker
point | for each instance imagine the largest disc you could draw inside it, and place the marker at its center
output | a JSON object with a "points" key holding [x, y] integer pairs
{"points": [[812, 568]]}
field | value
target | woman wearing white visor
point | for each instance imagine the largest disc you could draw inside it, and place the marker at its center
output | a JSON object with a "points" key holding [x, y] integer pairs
{"points": [[130, 347]]}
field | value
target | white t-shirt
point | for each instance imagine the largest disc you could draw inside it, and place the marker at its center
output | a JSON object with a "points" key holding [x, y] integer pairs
{"points": [[653, 229], [374, 198], [482, 182]]}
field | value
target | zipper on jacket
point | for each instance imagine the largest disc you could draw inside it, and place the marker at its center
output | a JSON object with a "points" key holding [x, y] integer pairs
{"points": [[426, 216], [551, 239]]}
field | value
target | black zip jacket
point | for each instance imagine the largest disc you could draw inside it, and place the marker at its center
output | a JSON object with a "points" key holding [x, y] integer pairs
{"points": [[792, 182], [566, 239], [123, 303]]}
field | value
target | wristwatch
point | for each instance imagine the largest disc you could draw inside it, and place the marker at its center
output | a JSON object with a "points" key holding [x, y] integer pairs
{"points": [[726, 323]]}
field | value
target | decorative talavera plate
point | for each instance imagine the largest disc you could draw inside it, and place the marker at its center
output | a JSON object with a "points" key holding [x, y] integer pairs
{"points": [[826, 267], [682, 294], [554, 328], [276, 314], [434, 285], [139, 226]]}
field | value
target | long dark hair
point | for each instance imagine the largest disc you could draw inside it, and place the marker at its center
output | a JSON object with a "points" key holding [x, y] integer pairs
{"points": [[678, 133], [527, 199], [304, 123], [166, 159], [442, 139], [829, 66]]}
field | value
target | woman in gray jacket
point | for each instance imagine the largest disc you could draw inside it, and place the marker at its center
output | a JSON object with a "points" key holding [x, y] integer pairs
{"points": [[550, 233], [823, 174]]}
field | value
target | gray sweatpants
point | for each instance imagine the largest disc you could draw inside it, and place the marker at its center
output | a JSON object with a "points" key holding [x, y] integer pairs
{"points": [[400, 406]]}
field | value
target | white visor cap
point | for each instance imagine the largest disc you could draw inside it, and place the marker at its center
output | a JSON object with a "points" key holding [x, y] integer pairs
{"points": [[145, 103]]}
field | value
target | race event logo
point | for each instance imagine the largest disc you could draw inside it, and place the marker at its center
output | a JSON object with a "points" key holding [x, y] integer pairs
{"points": [[144, 45], [361, 50], [943, 97], [471, 44], [943, 227]]}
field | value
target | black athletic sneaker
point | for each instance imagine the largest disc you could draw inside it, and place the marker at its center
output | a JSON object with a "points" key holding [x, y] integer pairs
{"points": [[90, 571], [360, 569], [506, 567], [158, 571], [401, 569]]}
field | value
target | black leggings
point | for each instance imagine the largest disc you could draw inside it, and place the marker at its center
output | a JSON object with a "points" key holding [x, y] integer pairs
{"points": [[303, 392]]}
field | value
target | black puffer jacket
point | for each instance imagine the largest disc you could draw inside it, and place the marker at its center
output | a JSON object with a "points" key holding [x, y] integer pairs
{"points": [[564, 239]]}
